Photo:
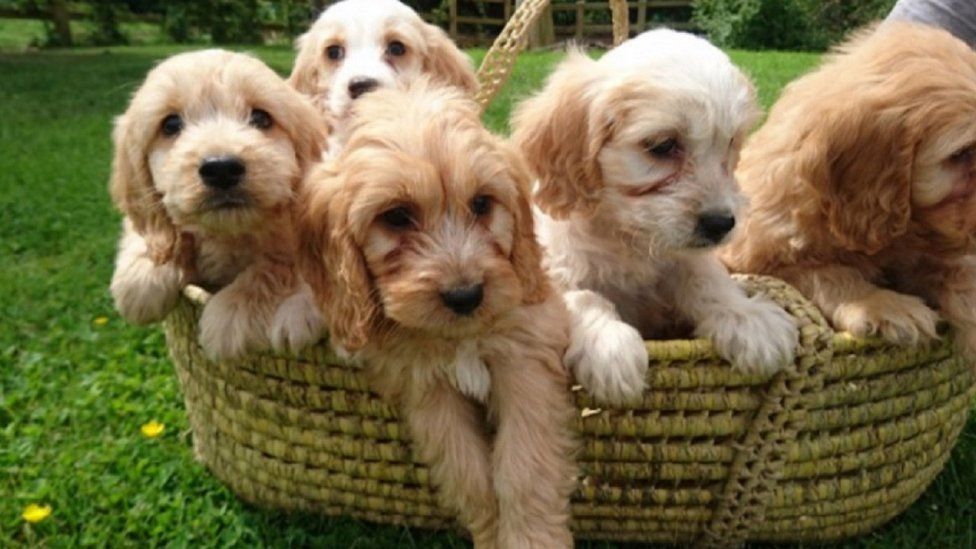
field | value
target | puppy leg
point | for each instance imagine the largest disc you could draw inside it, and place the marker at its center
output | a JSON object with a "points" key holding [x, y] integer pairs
{"points": [[297, 321], [533, 458], [853, 304], [238, 318], [753, 333], [448, 435], [144, 292], [607, 355], [957, 302]]}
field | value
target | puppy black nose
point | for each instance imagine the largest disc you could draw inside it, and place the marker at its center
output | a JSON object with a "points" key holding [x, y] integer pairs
{"points": [[221, 172], [359, 86], [464, 300], [713, 226]]}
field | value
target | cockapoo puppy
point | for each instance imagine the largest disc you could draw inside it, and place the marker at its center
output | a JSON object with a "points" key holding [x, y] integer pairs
{"points": [[209, 157], [634, 155], [862, 184], [419, 245], [357, 46]]}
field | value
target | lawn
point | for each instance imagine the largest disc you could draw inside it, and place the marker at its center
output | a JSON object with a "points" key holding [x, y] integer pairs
{"points": [[76, 383]]}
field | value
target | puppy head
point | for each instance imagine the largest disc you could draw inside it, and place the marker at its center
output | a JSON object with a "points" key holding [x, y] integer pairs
{"points": [[212, 141], [422, 224], [645, 139], [357, 46], [886, 138]]}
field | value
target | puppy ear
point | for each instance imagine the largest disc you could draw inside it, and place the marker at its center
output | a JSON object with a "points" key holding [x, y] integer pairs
{"points": [[308, 130], [446, 62], [133, 192], [526, 252], [332, 263], [560, 132], [308, 62], [860, 161]]}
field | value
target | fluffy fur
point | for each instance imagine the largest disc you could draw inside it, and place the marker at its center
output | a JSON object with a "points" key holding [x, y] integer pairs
{"points": [[634, 155], [423, 201], [862, 186], [372, 43], [240, 240]]}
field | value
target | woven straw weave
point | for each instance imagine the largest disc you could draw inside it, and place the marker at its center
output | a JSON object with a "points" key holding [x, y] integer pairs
{"points": [[842, 441]]}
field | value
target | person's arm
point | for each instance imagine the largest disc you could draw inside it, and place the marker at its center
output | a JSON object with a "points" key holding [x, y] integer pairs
{"points": [[955, 16]]}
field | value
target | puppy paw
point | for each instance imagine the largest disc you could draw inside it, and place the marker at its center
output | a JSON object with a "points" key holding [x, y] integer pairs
{"points": [[756, 336], [297, 322], [607, 355], [898, 318], [145, 292], [230, 327]]}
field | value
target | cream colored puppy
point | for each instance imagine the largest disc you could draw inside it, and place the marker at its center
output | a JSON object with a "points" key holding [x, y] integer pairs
{"points": [[634, 155], [357, 46], [208, 159]]}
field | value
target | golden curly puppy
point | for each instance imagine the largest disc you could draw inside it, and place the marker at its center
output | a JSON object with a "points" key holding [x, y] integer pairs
{"points": [[357, 46], [208, 159], [634, 155], [420, 248], [862, 186]]}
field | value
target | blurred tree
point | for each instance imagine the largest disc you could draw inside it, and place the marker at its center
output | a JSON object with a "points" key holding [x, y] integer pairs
{"points": [[61, 19]]}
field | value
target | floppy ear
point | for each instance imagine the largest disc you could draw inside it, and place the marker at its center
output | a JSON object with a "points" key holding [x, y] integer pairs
{"points": [[308, 130], [860, 160], [560, 132], [446, 62], [332, 263], [308, 62], [133, 192], [526, 252]]}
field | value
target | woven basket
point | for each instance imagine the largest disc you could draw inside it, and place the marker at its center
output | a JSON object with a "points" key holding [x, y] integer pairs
{"points": [[840, 442]]}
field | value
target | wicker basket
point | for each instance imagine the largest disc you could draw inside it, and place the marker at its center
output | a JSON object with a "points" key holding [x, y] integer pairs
{"points": [[837, 444]]}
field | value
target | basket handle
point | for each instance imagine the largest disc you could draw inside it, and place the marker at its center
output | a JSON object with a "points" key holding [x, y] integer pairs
{"points": [[497, 65]]}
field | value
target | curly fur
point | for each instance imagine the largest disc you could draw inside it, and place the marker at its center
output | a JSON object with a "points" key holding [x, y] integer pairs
{"points": [[425, 152], [178, 230], [621, 224], [861, 185]]}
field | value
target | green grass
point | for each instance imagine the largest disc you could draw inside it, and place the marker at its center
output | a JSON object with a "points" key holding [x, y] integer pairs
{"points": [[17, 35], [74, 393]]}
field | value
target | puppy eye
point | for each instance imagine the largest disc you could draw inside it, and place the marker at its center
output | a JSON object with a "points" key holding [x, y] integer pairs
{"points": [[481, 205], [335, 52], [963, 155], [260, 119], [665, 149], [396, 48], [398, 218], [172, 125]]}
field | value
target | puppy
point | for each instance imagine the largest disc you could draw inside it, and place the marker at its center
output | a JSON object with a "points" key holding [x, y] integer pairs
{"points": [[357, 46], [419, 245], [208, 159], [862, 186], [634, 156]]}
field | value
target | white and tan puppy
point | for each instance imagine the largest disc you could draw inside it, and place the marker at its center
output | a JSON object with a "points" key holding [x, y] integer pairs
{"points": [[635, 156], [209, 157], [357, 46]]}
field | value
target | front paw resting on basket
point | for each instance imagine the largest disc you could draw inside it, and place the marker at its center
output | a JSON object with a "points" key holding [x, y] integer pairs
{"points": [[607, 356], [898, 318], [231, 325], [297, 322], [755, 335]]}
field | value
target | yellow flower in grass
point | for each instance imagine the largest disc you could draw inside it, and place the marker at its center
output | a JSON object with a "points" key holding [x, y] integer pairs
{"points": [[152, 429], [100, 321], [36, 513]]}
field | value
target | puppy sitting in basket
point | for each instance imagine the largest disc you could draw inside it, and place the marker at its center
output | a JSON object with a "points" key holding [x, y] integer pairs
{"points": [[863, 187], [208, 159], [419, 244], [634, 155]]}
